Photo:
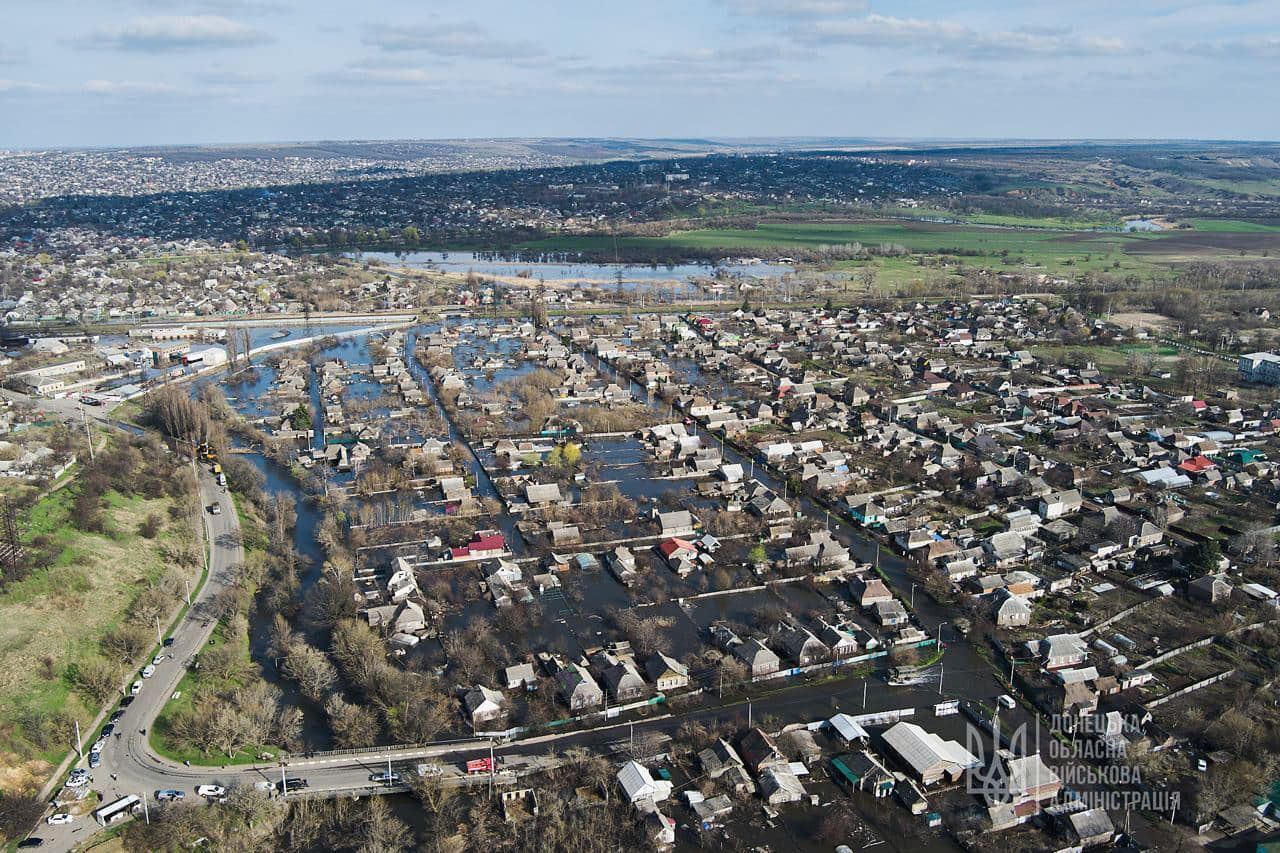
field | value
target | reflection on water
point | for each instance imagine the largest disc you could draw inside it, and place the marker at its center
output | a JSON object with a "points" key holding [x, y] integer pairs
{"points": [[633, 277]]}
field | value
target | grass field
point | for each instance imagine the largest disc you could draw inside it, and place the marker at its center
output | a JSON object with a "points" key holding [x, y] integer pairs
{"points": [[1047, 250], [55, 618], [1232, 226], [1055, 251]]}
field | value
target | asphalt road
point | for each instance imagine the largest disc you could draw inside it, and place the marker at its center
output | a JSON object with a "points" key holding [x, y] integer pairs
{"points": [[127, 756]]}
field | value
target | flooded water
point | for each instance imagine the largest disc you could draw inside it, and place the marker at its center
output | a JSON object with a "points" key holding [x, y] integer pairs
{"points": [[577, 616], [578, 275]]}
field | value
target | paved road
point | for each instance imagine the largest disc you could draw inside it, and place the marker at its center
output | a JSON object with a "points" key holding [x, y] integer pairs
{"points": [[128, 756]]}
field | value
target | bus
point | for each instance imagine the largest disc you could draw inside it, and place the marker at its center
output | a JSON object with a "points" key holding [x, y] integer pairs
{"points": [[119, 810]]}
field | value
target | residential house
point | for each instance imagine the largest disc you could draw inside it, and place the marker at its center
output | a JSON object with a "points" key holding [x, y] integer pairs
{"points": [[760, 660], [623, 682], [666, 672], [483, 705], [891, 614], [1010, 610], [759, 752], [638, 784], [778, 785], [869, 590], [677, 523], [927, 756], [578, 689]]}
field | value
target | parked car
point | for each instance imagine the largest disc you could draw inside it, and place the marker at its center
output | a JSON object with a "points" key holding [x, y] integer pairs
{"points": [[95, 760], [128, 700], [136, 688], [1202, 765], [385, 778], [115, 717], [170, 794], [212, 791], [148, 670], [79, 778], [292, 785], [158, 659], [58, 819], [215, 508], [33, 841], [1007, 701], [109, 729], [168, 641]]}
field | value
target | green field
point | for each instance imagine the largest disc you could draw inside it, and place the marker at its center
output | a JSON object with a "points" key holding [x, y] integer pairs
{"points": [[1026, 249], [1047, 250], [1232, 226], [55, 618]]}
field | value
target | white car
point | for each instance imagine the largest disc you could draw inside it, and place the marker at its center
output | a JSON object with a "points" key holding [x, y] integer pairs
{"points": [[58, 819], [136, 688], [158, 659], [1007, 701], [212, 791], [148, 671], [79, 778]]}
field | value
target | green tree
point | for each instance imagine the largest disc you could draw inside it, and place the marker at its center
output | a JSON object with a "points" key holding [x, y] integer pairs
{"points": [[1205, 556], [300, 419], [571, 454]]}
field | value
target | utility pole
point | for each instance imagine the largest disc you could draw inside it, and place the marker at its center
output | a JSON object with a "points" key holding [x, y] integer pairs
{"points": [[187, 583], [864, 694], [913, 596], [79, 745], [942, 670], [146, 813], [748, 713], [284, 782], [84, 416], [159, 637]]}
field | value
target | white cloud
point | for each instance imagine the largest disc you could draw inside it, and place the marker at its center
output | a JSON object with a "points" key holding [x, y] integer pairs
{"points": [[916, 33], [385, 76], [231, 78], [128, 87], [797, 8], [449, 40], [176, 32], [17, 87], [1257, 47]]}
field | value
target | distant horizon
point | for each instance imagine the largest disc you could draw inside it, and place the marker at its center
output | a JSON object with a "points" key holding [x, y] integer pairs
{"points": [[796, 142], [83, 74]]}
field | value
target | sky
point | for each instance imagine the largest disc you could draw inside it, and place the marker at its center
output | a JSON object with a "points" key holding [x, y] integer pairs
{"points": [[136, 72]]}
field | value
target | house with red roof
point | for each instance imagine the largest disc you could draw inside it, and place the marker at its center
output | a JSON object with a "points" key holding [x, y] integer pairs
{"points": [[1197, 466], [680, 554], [483, 545]]}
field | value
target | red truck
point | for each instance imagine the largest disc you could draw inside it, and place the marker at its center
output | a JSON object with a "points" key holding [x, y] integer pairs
{"points": [[479, 765]]}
